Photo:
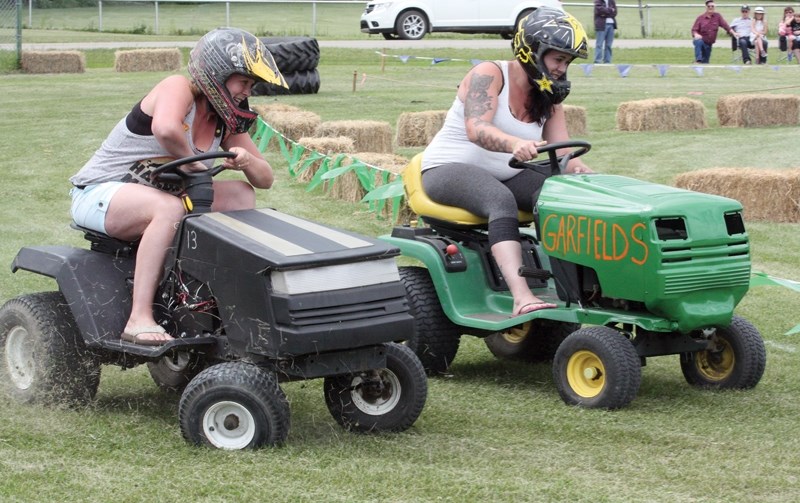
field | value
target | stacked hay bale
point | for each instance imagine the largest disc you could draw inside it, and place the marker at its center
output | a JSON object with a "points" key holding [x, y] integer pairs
{"points": [[758, 110], [661, 114], [348, 188], [330, 147], [292, 124], [53, 62], [368, 136], [766, 195], [417, 129], [148, 60], [576, 120]]}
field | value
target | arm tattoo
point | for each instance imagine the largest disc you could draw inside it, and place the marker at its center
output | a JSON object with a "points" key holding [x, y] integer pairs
{"points": [[490, 142], [476, 104], [477, 101]]}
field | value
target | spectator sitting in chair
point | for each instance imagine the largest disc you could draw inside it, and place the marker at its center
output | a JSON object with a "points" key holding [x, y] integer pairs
{"points": [[704, 32], [758, 35], [742, 27], [785, 36], [794, 29]]}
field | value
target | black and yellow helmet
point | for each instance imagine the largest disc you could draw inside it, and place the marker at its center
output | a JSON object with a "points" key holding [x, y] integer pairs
{"points": [[222, 53], [543, 30]]}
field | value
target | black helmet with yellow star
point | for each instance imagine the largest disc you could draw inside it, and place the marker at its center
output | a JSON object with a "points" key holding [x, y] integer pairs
{"points": [[222, 53], [543, 30]]}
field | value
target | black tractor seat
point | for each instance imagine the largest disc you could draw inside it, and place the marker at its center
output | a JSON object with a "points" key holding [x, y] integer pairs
{"points": [[103, 243]]}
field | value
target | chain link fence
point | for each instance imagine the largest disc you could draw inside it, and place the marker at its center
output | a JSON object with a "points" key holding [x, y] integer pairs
{"points": [[11, 32]]}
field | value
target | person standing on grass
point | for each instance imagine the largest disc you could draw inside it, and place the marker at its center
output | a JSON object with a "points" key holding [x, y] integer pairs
{"points": [[180, 117], [605, 22], [505, 110], [704, 32]]}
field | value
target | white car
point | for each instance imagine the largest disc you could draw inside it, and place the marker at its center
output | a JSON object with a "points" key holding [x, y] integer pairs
{"points": [[412, 19]]}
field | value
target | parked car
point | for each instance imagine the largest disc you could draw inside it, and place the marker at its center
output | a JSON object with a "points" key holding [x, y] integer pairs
{"points": [[412, 19]]}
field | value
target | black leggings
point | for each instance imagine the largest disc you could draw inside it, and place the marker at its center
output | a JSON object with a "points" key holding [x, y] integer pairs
{"points": [[477, 191]]}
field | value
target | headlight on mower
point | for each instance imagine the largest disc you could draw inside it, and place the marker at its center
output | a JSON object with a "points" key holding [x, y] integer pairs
{"points": [[335, 277]]}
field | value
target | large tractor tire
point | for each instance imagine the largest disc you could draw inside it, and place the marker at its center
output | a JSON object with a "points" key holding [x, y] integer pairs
{"points": [[43, 358], [435, 339], [302, 82], [293, 54]]}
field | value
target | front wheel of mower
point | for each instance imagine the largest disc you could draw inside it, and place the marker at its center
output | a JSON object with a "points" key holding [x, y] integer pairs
{"points": [[234, 405], [43, 358], [435, 339], [534, 341], [736, 360], [597, 368], [387, 399]]}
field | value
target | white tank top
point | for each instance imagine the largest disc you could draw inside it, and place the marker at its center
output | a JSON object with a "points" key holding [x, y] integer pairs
{"points": [[452, 145]]}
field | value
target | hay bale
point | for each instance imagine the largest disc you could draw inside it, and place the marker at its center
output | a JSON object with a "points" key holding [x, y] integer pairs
{"points": [[758, 110], [265, 110], [348, 188], [417, 129], [294, 124], [148, 60], [661, 114], [328, 146], [369, 136], [53, 62], [766, 194], [576, 120]]}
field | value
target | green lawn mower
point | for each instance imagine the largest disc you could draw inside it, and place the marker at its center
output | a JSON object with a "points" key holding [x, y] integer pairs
{"points": [[637, 270]]}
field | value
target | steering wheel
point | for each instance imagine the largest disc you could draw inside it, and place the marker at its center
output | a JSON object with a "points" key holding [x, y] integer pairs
{"points": [[197, 185], [556, 163]]}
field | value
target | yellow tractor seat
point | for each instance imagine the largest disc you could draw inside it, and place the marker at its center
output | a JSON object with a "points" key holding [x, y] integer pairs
{"points": [[422, 205]]}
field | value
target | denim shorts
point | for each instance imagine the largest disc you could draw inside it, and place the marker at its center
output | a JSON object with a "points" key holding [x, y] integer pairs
{"points": [[90, 204]]}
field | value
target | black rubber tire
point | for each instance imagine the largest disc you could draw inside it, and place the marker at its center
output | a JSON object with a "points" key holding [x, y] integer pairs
{"points": [[411, 25], [609, 356], [389, 399], [534, 341], [435, 339], [738, 362], [43, 358], [303, 82], [234, 405], [173, 372], [293, 54]]}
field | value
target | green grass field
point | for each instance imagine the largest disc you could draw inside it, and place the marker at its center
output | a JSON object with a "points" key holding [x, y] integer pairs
{"points": [[494, 431]]}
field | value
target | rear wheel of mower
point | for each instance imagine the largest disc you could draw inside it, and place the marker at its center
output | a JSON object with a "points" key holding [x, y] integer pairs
{"points": [[534, 341], [436, 338], [173, 372], [736, 361], [598, 368], [388, 399], [43, 357], [234, 405]]}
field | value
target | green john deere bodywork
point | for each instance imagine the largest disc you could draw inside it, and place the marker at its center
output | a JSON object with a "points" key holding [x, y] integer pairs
{"points": [[667, 259]]}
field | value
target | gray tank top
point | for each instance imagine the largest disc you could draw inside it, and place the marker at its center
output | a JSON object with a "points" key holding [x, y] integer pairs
{"points": [[452, 145], [125, 156]]}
